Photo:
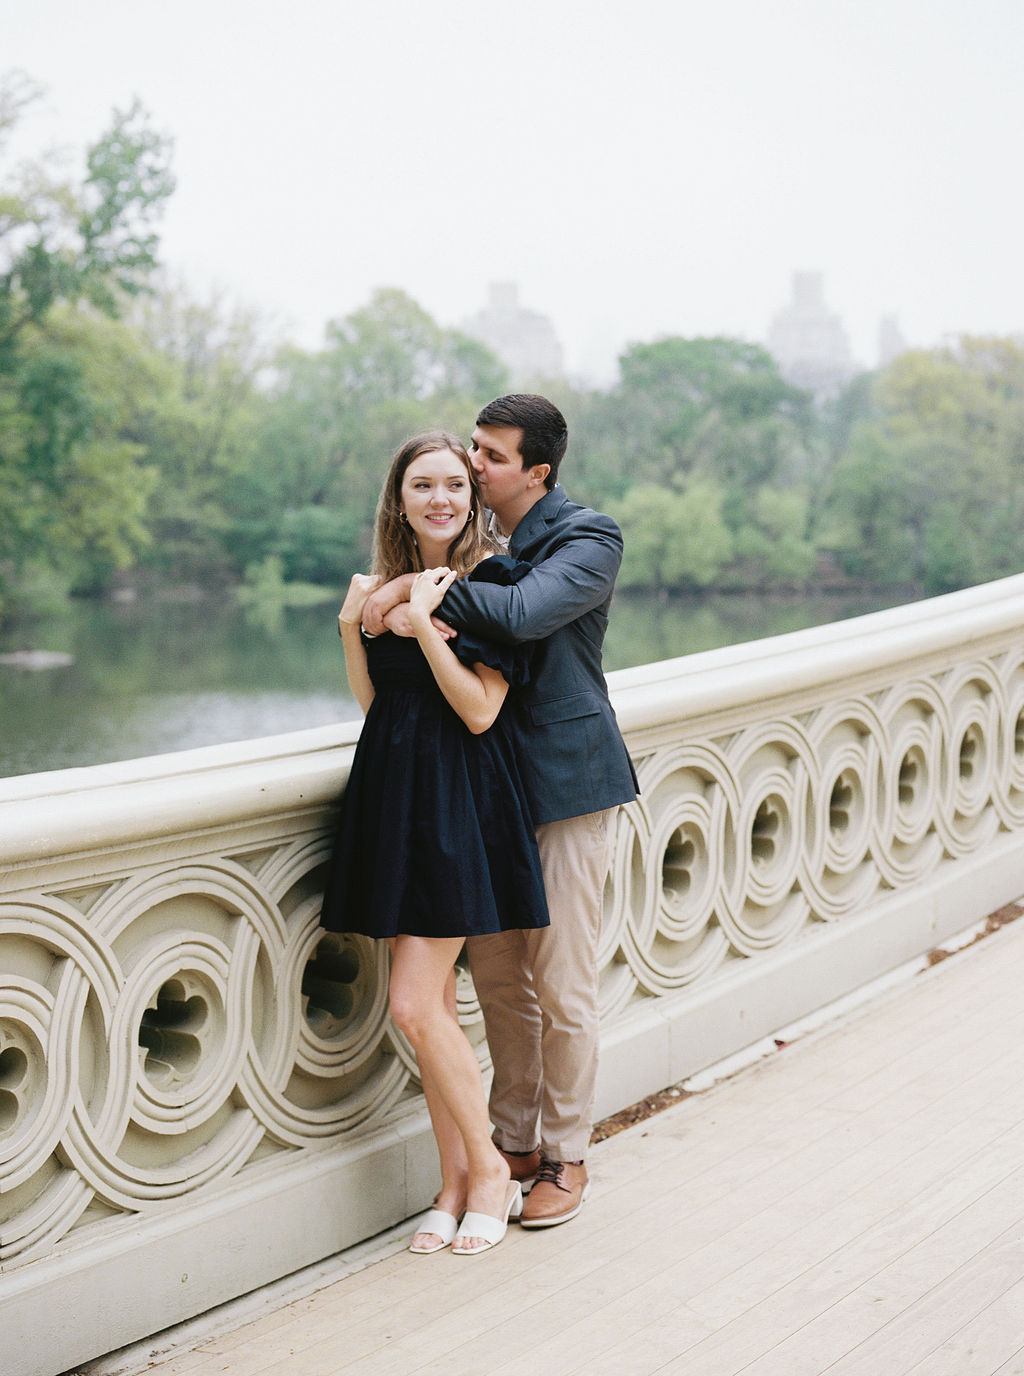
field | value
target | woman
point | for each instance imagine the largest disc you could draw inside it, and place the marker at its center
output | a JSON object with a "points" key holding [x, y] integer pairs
{"points": [[436, 843]]}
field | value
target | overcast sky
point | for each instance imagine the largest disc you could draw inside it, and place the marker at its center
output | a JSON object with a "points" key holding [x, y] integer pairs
{"points": [[638, 167]]}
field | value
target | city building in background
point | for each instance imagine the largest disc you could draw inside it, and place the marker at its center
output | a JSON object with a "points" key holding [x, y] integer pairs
{"points": [[524, 340], [890, 341], [808, 340]]}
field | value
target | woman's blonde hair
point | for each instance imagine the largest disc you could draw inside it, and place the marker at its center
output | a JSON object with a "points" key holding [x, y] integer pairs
{"points": [[394, 546]]}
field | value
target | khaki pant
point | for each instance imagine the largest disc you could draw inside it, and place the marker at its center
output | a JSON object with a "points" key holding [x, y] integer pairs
{"points": [[539, 995]]}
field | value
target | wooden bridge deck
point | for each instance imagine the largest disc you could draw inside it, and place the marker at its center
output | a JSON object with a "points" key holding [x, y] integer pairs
{"points": [[852, 1204]]}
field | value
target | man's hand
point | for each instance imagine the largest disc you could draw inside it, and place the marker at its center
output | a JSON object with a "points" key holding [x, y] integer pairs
{"points": [[379, 603], [399, 623], [387, 609]]}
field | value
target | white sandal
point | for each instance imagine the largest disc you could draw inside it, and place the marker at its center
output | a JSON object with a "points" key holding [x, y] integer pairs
{"points": [[436, 1221], [492, 1230]]}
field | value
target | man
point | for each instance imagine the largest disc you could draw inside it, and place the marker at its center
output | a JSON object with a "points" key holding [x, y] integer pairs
{"points": [[539, 990]]}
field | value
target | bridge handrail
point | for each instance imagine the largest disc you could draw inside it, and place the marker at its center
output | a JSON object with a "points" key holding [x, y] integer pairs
{"points": [[187, 1066]]}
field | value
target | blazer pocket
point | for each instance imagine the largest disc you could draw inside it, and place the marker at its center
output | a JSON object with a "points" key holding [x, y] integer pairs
{"points": [[564, 709]]}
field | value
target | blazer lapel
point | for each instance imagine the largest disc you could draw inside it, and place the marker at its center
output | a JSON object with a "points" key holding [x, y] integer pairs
{"points": [[534, 524]]}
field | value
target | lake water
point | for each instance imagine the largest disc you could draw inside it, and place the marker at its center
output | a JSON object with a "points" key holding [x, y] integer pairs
{"points": [[151, 676]]}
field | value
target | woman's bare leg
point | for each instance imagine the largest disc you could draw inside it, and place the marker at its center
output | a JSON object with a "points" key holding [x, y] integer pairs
{"points": [[450, 1146], [420, 1005]]}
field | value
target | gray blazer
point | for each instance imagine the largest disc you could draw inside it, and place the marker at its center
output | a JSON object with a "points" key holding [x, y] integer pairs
{"points": [[571, 752]]}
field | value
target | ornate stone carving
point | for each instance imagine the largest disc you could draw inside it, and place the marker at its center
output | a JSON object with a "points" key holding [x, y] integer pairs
{"points": [[172, 1017]]}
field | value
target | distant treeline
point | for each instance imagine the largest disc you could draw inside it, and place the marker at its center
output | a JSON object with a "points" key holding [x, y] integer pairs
{"points": [[146, 437]]}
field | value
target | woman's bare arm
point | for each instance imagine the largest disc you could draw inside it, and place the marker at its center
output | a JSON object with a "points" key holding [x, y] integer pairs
{"points": [[349, 619], [475, 693]]}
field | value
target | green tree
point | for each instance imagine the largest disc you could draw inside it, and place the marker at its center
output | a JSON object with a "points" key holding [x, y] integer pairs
{"points": [[673, 541], [94, 242], [714, 407], [333, 419], [691, 417], [931, 488], [871, 522], [97, 510], [66, 250], [774, 547], [200, 426]]}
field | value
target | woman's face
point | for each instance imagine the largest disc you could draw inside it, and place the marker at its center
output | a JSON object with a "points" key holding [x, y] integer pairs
{"points": [[436, 497]]}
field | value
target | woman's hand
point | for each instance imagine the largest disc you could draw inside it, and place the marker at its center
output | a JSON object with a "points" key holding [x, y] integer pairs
{"points": [[358, 591], [428, 590]]}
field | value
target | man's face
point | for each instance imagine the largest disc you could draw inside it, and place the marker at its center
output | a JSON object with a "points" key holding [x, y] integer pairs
{"points": [[507, 487]]}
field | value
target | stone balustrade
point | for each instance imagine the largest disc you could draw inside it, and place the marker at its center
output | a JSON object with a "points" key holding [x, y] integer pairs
{"points": [[200, 1092]]}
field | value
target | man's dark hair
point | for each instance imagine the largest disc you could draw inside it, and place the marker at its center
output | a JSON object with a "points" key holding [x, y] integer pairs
{"points": [[545, 433]]}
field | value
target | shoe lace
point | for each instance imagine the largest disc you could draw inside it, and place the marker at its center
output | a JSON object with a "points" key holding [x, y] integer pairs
{"points": [[550, 1172]]}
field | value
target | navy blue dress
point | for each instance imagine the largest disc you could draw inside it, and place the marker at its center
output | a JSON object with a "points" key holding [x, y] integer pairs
{"points": [[435, 836]]}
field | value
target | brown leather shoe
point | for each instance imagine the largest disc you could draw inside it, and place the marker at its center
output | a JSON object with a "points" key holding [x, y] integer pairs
{"points": [[523, 1165], [558, 1195]]}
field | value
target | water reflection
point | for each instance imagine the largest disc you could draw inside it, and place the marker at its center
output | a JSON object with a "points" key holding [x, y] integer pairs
{"points": [[156, 677], [644, 630]]}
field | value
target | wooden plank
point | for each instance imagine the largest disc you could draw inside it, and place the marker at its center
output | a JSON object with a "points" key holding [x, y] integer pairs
{"points": [[850, 1204]]}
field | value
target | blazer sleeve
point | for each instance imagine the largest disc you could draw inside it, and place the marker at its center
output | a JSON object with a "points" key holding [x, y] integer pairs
{"points": [[575, 577], [511, 661]]}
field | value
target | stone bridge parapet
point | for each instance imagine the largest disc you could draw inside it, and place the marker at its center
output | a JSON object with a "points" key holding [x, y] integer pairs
{"points": [[200, 1092]]}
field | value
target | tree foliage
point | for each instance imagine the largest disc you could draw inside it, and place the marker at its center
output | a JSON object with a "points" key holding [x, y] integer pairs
{"points": [[146, 432], [332, 421], [930, 489], [199, 423], [673, 540], [70, 489]]}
